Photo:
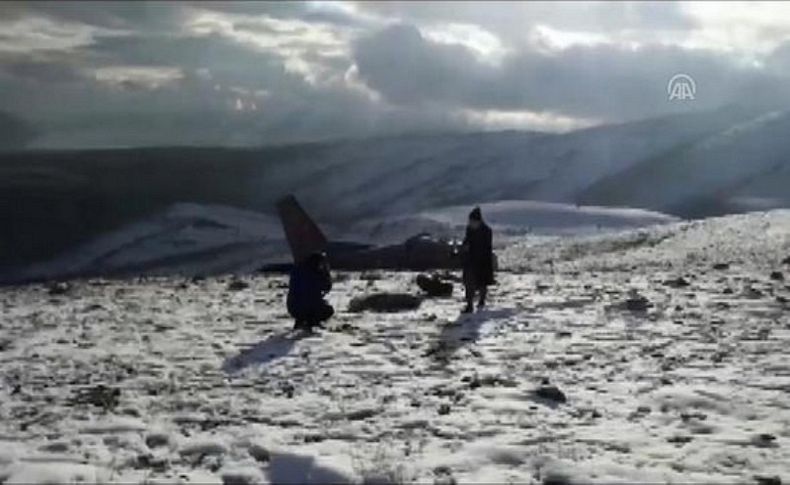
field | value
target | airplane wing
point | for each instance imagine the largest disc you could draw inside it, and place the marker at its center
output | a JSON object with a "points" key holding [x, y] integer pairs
{"points": [[304, 236]]}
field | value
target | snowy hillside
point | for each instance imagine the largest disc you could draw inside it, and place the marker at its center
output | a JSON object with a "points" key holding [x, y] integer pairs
{"points": [[193, 239], [679, 158], [510, 218], [186, 239], [655, 355], [396, 176], [715, 167]]}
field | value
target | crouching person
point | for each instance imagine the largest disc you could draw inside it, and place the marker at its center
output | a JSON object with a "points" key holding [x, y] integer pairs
{"points": [[310, 281]]}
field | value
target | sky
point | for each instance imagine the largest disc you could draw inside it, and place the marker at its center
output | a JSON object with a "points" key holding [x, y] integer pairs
{"points": [[87, 74]]}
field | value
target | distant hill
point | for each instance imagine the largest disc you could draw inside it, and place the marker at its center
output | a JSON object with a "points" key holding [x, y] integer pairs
{"points": [[192, 239], [14, 132], [686, 165]]}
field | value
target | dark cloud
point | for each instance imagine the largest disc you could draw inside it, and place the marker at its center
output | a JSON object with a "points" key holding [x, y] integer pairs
{"points": [[226, 61], [598, 81], [15, 133], [41, 70], [261, 72], [134, 15], [406, 68]]}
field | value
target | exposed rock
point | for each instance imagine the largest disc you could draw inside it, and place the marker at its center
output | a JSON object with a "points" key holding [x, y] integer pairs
{"points": [[443, 476], [764, 440], [149, 462], [476, 381], [721, 266], [764, 480], [288, 389], [155, 440], [384, 303], [444, 409], [786, 260], [105, 397], [371, 276], [434, 285], [557, 478], [55, 447], [551, 393], [238, 285], [637, 303], [777, 276], [344, 327], [693, 416], [239, 478], [203, 448], [680, 439], [678, 282], [752, 293], [258, 453], [361, 414], [58, 288]]}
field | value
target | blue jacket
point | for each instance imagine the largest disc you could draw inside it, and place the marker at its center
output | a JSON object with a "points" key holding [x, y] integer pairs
{"points": [[306, 290]]}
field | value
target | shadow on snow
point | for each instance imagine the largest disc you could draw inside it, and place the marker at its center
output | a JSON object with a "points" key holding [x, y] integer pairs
{"points": [[465, 330], [264, 352]]}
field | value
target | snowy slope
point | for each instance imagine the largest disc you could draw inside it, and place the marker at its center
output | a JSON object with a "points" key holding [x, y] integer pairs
{"points": [[713, 167], [213, 388], [663, 164], [408, 175], [509, 218], [186, 238], [192, 239]]}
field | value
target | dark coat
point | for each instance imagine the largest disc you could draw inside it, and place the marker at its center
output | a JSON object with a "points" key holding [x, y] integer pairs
{"points": [[306, 290], [478, 256]]}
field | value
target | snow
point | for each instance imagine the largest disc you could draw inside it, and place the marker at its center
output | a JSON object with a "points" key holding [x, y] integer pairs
{"points": [[186, 238], [512, 218], [195, 239], [216, 388], [344, 182]]}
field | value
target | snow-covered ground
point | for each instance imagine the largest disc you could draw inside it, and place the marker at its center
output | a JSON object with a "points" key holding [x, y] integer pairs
{"points": [[688, 384]]}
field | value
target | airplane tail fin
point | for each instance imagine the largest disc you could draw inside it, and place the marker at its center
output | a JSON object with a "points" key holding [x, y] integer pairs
{"points": [[304, 236]]}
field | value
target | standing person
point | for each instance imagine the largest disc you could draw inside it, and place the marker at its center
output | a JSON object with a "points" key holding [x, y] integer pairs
{"points": [[310, 281], [478, 262]]}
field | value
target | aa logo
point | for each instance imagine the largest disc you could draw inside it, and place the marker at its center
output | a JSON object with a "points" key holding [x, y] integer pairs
{"points": [[681, 87]]}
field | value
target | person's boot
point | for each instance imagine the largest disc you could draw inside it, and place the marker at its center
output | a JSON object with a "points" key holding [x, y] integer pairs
{"points": [[470, 298]]}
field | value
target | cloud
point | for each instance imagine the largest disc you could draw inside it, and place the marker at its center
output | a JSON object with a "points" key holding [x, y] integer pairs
{"points": [[270, 72], [512, 20], [600, 81], [134, 16], [14, 132]]}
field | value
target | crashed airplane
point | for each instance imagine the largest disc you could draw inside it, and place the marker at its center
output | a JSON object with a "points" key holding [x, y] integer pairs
{"points": [[418, 253]]}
